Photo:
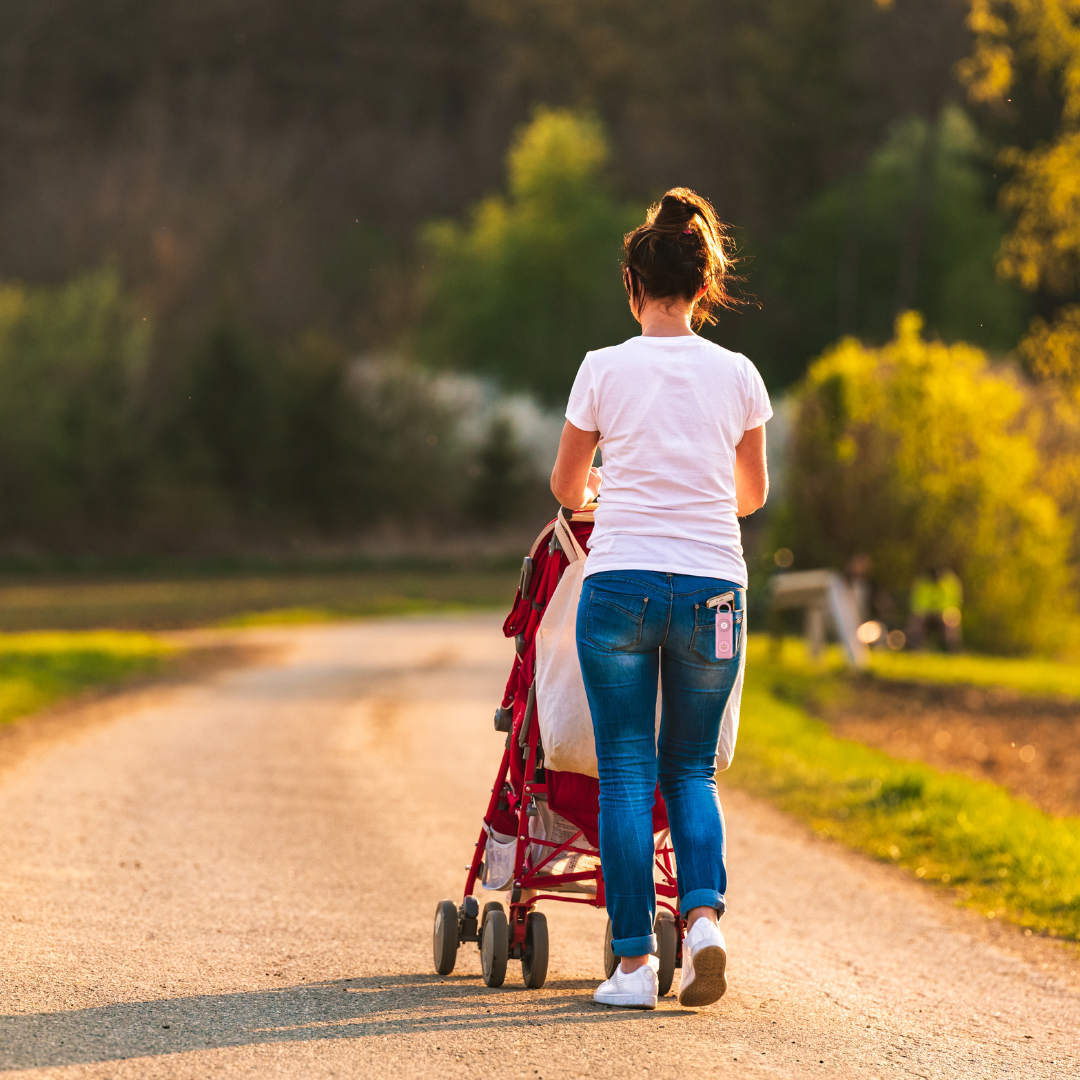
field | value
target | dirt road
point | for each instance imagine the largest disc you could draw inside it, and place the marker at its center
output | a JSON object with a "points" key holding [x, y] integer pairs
{"points": [[238, 877]]}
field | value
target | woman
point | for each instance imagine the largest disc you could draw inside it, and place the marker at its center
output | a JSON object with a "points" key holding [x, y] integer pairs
{"points": [[680, 422]]}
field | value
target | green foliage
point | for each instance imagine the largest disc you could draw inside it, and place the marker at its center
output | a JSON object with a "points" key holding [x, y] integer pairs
{"points": [[99, 448], [916, 229], [991, 850], [1025, 675], [1025, 65], [232, 417], [72, 361], [920, 454], [502, 480], [533, 282], [38, 669], [302, 432]]}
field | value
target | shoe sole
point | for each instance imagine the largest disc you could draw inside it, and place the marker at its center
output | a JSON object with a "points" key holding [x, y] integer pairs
{"points": [[626, 1001], [710, 982]]}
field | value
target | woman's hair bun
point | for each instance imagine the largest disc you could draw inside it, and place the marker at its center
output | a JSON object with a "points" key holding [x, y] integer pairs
{"points": [[674, 210], [681, 252]]}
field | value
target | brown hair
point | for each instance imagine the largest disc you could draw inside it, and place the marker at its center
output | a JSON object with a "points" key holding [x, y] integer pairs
{"points": [[681, 249]]}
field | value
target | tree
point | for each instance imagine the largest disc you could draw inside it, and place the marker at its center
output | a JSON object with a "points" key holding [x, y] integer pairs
{"points": [[921, 454], [1025, 48], [916, 228], [532, 283], [72, 437]]}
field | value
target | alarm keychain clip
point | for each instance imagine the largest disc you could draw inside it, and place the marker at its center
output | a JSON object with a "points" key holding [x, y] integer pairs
{"points": [[725, 624]]}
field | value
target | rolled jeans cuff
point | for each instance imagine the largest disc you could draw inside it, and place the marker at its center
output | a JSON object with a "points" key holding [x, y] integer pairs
{"points": [[634, 946], [703, 898]]}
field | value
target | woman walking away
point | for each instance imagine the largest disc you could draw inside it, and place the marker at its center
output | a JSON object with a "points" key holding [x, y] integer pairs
{"points": [[680, 422]]}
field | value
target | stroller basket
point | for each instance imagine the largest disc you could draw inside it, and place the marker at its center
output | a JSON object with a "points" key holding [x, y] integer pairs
{"points": [[539, 839]]}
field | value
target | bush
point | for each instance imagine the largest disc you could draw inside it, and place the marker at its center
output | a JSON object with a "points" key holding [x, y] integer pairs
{"points": [[921, 454], [304, 437], [72, 362], [247, 441], [533, 282]]}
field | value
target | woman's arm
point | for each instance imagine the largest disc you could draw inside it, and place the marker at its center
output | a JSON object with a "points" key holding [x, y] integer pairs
{"points": [[751, 472], [574, 482]]}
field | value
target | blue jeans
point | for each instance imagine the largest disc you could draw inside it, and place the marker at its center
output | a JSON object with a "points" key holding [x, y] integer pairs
{"points": [[632, 626]]}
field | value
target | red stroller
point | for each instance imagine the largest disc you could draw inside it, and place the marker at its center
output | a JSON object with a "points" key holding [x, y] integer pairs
{"points": [[540, 834]]}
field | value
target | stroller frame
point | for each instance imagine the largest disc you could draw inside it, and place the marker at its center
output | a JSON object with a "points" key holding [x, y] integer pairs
{"points": [[523, 935]]}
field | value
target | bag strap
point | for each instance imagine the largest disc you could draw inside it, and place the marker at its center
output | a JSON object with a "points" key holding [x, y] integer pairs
{"points": [[574, 550]]}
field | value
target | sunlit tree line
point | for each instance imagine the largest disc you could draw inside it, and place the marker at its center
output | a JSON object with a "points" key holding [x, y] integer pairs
{"points": [[464, 209]]}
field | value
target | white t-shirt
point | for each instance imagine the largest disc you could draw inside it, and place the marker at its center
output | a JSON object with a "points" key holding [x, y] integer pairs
{"points": [[670, 412]]}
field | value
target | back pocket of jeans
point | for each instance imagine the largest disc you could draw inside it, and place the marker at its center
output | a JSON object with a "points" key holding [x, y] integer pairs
{"points": [[615, 626], [703, 643]]}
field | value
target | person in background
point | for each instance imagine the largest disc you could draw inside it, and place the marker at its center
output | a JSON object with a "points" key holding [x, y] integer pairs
{"points": [[936, 599], [859, 569]]}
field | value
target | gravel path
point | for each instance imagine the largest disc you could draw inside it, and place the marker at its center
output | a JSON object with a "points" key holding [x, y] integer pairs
{"points": [[238, 877]]}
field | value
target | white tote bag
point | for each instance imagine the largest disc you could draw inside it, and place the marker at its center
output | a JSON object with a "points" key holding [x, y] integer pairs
{"points": [[562, 707]]}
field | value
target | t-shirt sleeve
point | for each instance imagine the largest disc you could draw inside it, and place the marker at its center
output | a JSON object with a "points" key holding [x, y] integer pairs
{"points": [[581, 408], [758, 406]]}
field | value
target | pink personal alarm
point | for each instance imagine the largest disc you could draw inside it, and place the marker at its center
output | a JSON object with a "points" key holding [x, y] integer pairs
{"points": [[725, 632]]}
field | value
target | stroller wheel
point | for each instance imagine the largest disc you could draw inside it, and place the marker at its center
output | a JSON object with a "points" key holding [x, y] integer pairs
{"points": [[667, 941], [611, 961], [491, 905], [494, 945], [534, 960], [445, 938]]}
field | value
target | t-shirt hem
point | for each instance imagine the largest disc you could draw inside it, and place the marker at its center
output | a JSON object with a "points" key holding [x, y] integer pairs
{"points": [[598, 565]]}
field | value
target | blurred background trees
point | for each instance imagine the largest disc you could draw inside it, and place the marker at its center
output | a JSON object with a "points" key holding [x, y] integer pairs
{"points": [[923, 455], [915, 228], [533, 281], [281, 272]]}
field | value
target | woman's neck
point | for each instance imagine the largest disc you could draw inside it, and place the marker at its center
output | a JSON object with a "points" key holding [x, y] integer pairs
{"points": [[665, 318]]}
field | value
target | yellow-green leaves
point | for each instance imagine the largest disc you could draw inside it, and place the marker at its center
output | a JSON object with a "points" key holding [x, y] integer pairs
{"points": [[1042, 251], [1037, 41], [922, 454], [1041, 35], [558, 150], [532, 281]]}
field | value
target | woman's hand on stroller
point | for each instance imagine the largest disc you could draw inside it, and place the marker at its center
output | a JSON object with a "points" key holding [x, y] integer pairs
{"points": [[574, 481]]}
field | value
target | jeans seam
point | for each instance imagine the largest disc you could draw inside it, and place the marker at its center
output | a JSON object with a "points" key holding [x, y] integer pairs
{"points": [[611, 650]]}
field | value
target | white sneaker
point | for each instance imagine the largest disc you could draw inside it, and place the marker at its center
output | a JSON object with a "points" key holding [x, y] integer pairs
{"points": [[637, 990], [704, 959]]}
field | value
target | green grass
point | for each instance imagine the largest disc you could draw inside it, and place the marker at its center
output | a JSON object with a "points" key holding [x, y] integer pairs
{"points": [[989, 849], [1023, 674], [38, 669], [138, 604]]}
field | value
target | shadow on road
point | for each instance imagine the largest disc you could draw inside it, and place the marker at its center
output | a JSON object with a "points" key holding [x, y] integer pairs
{"points": [[342, 1009]]}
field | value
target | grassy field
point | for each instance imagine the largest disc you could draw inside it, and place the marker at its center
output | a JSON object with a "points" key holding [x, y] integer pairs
{"points": [[38, 669], [54, 646], [1024, 675], [166, 604], [990, 850]]}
